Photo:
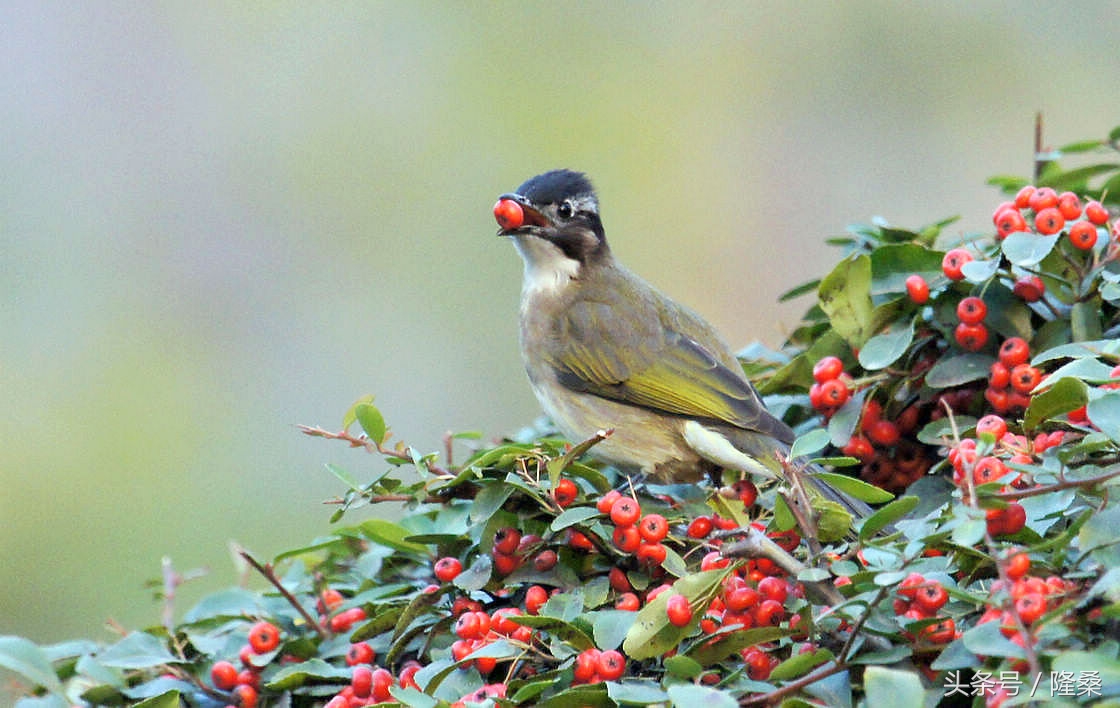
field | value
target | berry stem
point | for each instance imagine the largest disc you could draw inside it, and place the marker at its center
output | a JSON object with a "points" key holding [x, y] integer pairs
{"points": [[270, 575]]}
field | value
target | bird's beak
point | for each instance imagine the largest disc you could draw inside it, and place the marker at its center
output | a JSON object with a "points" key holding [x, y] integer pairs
{"points": [[533, 217]]}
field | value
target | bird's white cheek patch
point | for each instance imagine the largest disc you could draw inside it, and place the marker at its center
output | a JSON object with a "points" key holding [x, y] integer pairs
{"points": [[717, 449], [547, 269]]}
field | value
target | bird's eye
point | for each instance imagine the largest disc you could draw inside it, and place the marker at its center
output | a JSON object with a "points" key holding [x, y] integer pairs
{"points": [[564, 211]]}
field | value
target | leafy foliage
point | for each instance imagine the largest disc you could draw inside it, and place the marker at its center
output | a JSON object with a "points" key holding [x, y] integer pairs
{"points": [[511, 581]]}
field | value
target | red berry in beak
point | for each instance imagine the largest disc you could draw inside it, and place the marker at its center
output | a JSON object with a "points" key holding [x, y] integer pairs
{"points": [[509, 214]]}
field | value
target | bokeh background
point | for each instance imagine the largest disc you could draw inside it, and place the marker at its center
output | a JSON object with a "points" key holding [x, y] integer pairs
{"points": [[218, 220]]}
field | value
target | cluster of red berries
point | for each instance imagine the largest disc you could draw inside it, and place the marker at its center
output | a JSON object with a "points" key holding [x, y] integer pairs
{"points": [[831, 386], [243, 684], [633, 532], [511, 549], [1051, 213], [919, 599], [338, 622], [1011, 378], [971, 469], [892, 460], [595, 666], [476, 628]]}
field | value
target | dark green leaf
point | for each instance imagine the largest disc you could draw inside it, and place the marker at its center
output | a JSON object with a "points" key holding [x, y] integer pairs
{"points": [[389, 534], [684, 667], [488, 500], [886, 516], [1071, 179], [635, 692], [732, 642], [800, 664], [953, 371], [651, 634], [855, 487], [798, 291], [892, 264], [986, 639], [295, 675], [165, 700], [475, 576], [809, 443], [956, 656], [1082, 146], [1085, 320], [882, 350], [572, 517], [1063, 396]]}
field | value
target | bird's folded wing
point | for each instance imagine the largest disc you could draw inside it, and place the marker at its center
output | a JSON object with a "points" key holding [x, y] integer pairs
{"points": [[643, 362]]}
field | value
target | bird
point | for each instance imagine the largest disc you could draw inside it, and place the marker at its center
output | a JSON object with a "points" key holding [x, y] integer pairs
{"points": [[606, 350]]}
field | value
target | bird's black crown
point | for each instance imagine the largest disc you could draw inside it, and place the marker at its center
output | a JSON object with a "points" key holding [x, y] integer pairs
{"points": [[555, 186]]}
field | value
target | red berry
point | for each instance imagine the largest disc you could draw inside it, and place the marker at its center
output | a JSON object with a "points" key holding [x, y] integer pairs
{"points": [[1024, 378], [506, 541], [1083, 235], [535, 597], [223, 675], [545, 561], [1018, 565], [768, 613], [827, 369], [931, 597], [1049, 221], [883, 433], [918, 289], [700, 527], [565, 493], [1014, 351], [626, 538], [509, 214], [360, 653], [381, 681], [1009, 221], [993, 424], [1043, 198], [741, 599], [264, 637], [1030, 607], [361, 680], [1029, 288], [678, 611], [653, 527], [941, 632], [587, 665], [772, 588], [447, 569], [607, 500], [245, 696], [746, 491], [329, 600], [953, 261], [972, 310], [628, 601], [971, 337], [1023, 198], [579, 541], [1069, 205], [505, 563], [1096, 213], [834, 393], [611, 665], [988, 469], [618, 580], [911, 585], [651, 555], [625, 511]]}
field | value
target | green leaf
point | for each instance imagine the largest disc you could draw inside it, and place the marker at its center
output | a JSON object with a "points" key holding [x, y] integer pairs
{"points": [[692, 695], [26, 658], [800, 664], [349, 418], [169, 699], [475, 576], [1104, 413], [651, 634], [730, 643], [1085, 319], [1099, 536], [987, 640], [980, 271], [855, 487], [1070, 179], [1098, 663], [234, 602], [960, 369], [892, 264], [635, 692], [295, 675], [882, 350], [572, 517], [344, 476], [1027, 249], [138, 650], [372, 422], [809, 443], [845, 296], [389, 534], [683, 666], [892, 687], [1064, 396], [609, 627], [488, 500], [886, 516], [1085, 369]]}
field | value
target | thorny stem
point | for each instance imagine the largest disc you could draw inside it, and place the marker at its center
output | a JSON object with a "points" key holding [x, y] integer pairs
{"points": [[270, 574]]}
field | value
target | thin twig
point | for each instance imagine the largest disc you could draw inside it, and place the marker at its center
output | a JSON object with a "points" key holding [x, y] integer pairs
{"points": [[270, 574]]}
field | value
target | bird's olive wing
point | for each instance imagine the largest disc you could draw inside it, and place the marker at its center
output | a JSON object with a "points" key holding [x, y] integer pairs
{"points": [[646, 361]]}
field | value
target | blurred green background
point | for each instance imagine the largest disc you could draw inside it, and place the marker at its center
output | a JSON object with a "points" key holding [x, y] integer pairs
{"points": [[223, 219]]}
